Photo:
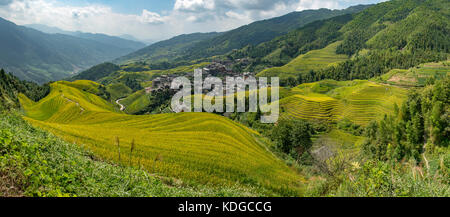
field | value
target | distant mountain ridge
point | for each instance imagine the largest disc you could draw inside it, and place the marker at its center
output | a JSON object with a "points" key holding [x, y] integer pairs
{"points": [[121, 42], [36, 56], [166, 50], [262, 31], [201, 45]]}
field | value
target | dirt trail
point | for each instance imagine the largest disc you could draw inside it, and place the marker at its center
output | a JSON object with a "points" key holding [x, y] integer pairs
{"points": [[122, 107], [76, 103], [425, 157]]}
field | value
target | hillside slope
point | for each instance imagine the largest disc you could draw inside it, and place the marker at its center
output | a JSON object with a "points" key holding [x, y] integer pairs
{"points": [[198, 46], [187, 146], [359, 101], [11, 87], [313, 60], [262, 31], [166, 50], [394, 34], [40, 57], [418, 76], [114, 41], [46, 166]]}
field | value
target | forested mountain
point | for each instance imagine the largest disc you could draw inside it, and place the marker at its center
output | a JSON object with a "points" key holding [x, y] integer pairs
{"points": [[115, 41], [262, 31], [97, 72], [283, 49], [166, 50], [394, 34], [40, 57], [11, 86], [195, 46]]}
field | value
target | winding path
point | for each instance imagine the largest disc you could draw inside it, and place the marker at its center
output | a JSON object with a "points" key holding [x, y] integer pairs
{"points": [[425, 157], [122, 107], [76, 103]]}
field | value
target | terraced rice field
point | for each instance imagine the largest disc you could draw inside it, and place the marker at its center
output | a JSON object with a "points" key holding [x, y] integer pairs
{"points": [[136, 102], [313, 60], [417, 76], [197, 148], [338, 141], [359, 101]]}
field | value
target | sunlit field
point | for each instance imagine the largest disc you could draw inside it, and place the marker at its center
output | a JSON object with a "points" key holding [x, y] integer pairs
{"points": [[197, 148]]}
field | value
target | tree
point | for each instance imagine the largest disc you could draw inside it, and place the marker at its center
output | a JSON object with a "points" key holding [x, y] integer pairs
{"points": [[293, 136]]}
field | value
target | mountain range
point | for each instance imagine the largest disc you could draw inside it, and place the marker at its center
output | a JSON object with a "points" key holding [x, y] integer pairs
{"points": [[42, 53], [202, 45], [126, 41], [36, 56]]}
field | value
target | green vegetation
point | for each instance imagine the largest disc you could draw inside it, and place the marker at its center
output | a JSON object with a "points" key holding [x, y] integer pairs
{"points": [[118, 90], [293, 137], [359, 101], [36, 163], [282, 50], [36, 56], [10, 86], [262, 31], [136, 102], [97, 72], [418, 76], [127, 83], [406, 154], [364, 112], [167, 50], [204, 45], [182, 146], [420, 30], [422, 119], [313, 60]]}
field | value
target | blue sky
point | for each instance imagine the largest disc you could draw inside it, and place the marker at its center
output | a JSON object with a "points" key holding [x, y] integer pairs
{"points": [[155, 20], [130, 6]]}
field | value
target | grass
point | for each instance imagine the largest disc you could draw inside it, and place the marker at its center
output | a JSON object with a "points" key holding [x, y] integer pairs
{"points": [[118, 90], [36, 163], [146, 76], [339, 141], [136, 102], [85, 85], [359, 101], [188, 69], [313, 60], [197, 148]]}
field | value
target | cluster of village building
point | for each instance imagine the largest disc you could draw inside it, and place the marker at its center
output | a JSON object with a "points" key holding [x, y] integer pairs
{"points": [[220, 69]]}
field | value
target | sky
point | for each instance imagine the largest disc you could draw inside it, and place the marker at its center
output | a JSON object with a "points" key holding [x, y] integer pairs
{"points": [[155, 20]]}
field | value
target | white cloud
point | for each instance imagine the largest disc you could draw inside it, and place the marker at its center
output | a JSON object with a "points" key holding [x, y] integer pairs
{"points": [[194, 5], [187, 16], [151, 17]]}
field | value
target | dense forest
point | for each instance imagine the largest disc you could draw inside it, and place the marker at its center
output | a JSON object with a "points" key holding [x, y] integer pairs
{"points": [[423, 119], [185, 48], [11, 86], [394, 34]]}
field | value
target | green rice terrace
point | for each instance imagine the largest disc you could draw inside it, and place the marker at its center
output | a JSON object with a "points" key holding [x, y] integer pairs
{"points": [[313, 60], [182, 146], [417, 76], [360, 101]]}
